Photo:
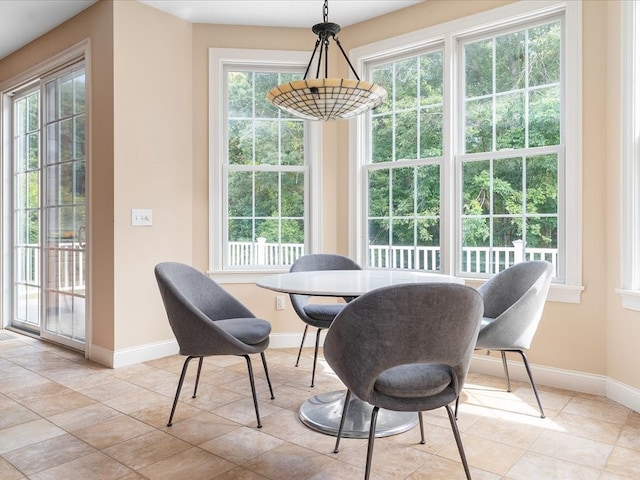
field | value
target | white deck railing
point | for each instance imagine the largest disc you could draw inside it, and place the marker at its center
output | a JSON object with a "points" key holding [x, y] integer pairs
{"points": [[474, 259], [67, 270]]}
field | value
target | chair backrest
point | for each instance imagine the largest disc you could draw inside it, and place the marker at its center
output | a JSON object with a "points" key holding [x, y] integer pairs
{"points": [[193, 303], [317, 262], [405, 324], [515, 298]]}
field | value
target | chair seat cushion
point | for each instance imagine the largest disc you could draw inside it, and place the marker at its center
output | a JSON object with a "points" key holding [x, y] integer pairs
{"points": [[414, 380], [251, 331], [325, 312]]}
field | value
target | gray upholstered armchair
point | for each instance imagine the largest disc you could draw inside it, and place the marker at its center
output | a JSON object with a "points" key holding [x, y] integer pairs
{"points": [[513, 303], [206, 320], [406, 348], [319, 315]]}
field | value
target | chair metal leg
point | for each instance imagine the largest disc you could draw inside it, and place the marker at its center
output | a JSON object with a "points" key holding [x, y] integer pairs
{"points": [[304, 335], [195, 389], [456, 434], [253, 389], [533, 384], [180, 382], [422, 442], [266, 372], [372, 437], [315, 358], [457, 405], [506, 369], [345, 407]]}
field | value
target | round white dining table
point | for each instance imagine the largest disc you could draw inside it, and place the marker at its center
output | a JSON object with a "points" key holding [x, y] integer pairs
{"points": [[323, 412]]}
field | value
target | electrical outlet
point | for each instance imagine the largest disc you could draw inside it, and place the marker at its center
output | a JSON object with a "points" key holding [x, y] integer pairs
{"points": [[141, 217], [280, 302]]}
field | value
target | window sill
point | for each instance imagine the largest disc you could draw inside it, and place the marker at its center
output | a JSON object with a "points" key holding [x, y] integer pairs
{"points": [[630, 299]]}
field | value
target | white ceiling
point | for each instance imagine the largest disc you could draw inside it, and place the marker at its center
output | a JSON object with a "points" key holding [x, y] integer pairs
{"points": [[22, 21]]}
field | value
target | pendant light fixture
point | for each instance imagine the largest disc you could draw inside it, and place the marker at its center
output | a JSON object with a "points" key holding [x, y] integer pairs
{"points": [[323, 98]]}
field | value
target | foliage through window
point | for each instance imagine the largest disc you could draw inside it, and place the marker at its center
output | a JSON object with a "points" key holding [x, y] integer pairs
{"points": [[463, 171], [512, 105], [265, 173]]}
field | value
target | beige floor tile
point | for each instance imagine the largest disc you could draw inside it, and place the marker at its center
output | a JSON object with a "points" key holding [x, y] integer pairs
{"points": [[587, 427], [201, 427], [63, 402], [484, 454], [209, 397], [510, 433], [284, 424], [533, 466], [18, 381], [630, 436], [133, 402], [12, 414], [48, 454], [159, 416], [109, 433], [343, 471], [613, 476], [96, 466], [243, 411], [624, 462], [146, 449], [598, 408], [288, 461], [26, 434], [192, 464], [573, 449], [9, 472], [439, 468], [38, 392], [90, 378], [389, 460], [435, 436], [242, 444], [84, 417], [112, 387], [239, 473]]}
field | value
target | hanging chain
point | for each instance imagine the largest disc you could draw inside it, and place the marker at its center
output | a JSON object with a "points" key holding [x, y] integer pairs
{"points": [[325, 11]]}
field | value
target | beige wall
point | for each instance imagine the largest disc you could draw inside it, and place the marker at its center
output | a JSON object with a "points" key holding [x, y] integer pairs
{"points": [[153, 163], [150, 150]]}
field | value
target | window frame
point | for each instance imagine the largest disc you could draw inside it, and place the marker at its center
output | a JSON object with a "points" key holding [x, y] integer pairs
{"points": [[630, 157], [220, 59], [519, 13]]}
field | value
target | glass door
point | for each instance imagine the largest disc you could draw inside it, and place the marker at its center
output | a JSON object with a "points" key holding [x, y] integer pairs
{"points": [[49, 208]]}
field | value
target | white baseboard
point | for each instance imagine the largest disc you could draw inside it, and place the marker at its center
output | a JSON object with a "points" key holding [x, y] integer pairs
{"points": [[550, 376], [623, 394], [131, 356]]}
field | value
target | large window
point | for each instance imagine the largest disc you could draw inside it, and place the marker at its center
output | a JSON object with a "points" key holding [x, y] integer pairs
{"points": [[403, 172], [512, 149], [260, 167], [473, 162]]}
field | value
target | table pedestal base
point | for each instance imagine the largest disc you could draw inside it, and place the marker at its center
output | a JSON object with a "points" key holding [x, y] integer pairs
{"points": [[323, 412]]}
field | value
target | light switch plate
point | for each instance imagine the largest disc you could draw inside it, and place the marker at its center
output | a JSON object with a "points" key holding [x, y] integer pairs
{"points": [[141, 217]]}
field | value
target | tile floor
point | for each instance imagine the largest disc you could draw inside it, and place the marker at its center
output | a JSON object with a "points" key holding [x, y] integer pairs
{"points": [[64, 418]]}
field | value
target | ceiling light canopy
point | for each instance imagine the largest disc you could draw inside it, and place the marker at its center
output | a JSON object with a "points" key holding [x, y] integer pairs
{"points": [[323, 98]]}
